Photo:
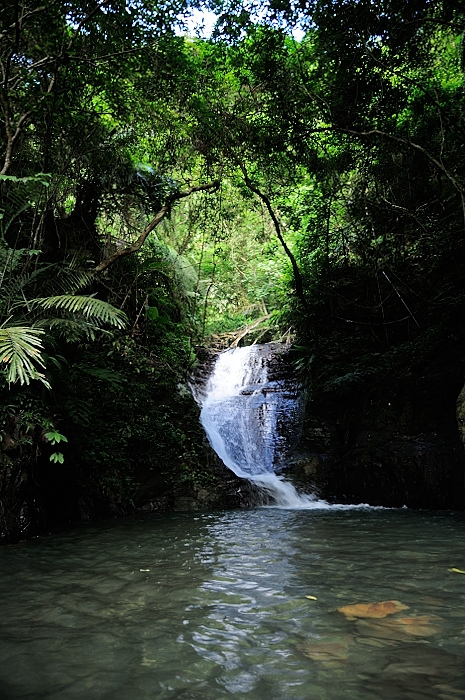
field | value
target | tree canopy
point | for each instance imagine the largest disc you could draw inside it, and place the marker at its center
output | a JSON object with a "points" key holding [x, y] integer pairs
{"points": [[342, 150]]}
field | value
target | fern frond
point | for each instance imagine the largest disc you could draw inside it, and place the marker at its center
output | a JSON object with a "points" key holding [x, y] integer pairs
{"points": [[96, 310], [52, 279], [67, 328], [78, 410], [20, 348], [20, 193], [14, 288], [116, 379], [66, 280], [10, 259]]}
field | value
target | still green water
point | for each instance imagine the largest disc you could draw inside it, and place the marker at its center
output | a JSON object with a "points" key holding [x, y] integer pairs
{"points": [[213, 605]]}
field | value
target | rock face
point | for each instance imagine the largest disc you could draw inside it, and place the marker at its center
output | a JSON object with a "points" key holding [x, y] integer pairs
{"points": [[400, 443], [461, 415], [394, 445]]}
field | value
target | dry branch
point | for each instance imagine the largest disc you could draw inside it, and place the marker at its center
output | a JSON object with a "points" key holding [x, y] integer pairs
{"points": [[248, 330]]}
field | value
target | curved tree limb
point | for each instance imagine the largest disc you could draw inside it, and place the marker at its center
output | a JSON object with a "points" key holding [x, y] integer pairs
{"points": [[248, 330], [456, 184], [158, 218], [407, 142], [299, 285]]}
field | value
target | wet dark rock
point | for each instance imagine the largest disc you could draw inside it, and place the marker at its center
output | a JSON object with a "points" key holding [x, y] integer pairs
{"points": [[416, 672], [205, 362], [417, 471], [392, 445]]}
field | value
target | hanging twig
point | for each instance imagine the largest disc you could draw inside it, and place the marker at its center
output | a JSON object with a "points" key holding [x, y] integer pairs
{"points": [[299, 285], [382, 309], [401, 298]]}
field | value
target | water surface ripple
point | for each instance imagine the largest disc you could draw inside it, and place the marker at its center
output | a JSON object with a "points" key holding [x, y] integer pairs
{"points": [[213, 605]]}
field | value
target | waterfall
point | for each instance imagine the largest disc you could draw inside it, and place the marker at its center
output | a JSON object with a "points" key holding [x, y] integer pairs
{"points": [[250, 418]]}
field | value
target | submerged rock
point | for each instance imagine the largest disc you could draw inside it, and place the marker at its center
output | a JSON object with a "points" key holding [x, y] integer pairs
{"points": [[329, 651]]}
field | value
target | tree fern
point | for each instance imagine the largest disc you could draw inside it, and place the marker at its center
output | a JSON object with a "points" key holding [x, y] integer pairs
{"points": [[68, 278], [21, 346], [70, 329], [58, 309], [18, 195]]}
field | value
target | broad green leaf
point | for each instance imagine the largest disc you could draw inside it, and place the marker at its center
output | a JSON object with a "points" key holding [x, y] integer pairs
{"points": [[53, 436], [152, 313]]}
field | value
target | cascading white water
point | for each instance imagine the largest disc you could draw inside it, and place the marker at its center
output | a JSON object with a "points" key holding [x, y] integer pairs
{"points": [[243, 414]]}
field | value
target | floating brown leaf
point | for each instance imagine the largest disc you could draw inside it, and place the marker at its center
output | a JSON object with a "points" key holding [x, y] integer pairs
{"points": [[373, 610]]}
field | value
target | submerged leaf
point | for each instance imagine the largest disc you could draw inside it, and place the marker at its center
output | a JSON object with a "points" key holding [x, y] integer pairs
{"points": [[400, 629], [373, 610]]}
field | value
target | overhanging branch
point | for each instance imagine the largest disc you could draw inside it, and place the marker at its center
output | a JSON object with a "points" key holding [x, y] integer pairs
{"points": [[456, 184], [407, 142], [158, 218]]}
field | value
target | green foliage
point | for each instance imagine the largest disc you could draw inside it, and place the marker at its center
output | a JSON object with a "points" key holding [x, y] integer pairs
{"points": [[54, 437], [100, 312], [150, 421], [20, 348]]}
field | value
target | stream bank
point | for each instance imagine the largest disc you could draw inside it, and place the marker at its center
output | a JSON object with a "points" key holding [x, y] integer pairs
{"points": [[134, 443], [394, 442]]}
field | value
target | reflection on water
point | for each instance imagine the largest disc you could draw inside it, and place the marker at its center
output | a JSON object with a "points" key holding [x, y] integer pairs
{"points": [[210, 606]]}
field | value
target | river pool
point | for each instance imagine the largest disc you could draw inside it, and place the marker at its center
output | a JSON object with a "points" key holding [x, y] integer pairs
{"points": [[214, 605]]}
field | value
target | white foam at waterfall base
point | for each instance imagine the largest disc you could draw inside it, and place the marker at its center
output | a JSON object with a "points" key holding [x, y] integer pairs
{"points": [[285, 494], [240, 411]]}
